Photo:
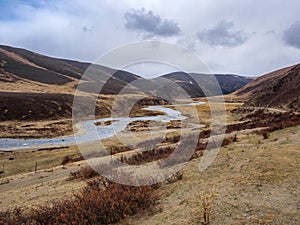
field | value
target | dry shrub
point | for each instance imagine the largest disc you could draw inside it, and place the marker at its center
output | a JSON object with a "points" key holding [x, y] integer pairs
{"points": [[69, 159], [100, 202], [229, 140], [148, 156], [86, 172], [13, 217], [207, 203], [159, 153], [263, 118]]}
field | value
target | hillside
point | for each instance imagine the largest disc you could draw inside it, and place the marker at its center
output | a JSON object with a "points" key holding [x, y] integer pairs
{"points": [[280, 89], [32, 72]]}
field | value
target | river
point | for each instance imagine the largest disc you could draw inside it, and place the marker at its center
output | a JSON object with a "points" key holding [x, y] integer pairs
{"points": [[91, 132]]}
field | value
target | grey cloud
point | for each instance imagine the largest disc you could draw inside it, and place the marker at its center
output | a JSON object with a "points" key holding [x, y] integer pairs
{"points": [[291, 36], [87, 28], [270, 32], [223, 35], [149, 24]]}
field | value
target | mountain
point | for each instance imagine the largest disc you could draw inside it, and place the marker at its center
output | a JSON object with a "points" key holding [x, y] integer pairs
{"points": [[195, 84], [280, 88], [44, 74], [27, 71]]}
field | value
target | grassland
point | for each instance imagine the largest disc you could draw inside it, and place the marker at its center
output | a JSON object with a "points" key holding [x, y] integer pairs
{"points": [[17, 162], [256, 179]]}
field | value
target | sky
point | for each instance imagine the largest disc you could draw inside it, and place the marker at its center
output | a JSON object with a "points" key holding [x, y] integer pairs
{"points": [[248, 37]]}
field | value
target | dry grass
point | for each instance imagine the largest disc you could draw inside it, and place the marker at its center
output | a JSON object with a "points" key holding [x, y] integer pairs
{"points": [[17, 162], [36, 129], [199, 112], [207, 203], [254, 185], [256, 180]]}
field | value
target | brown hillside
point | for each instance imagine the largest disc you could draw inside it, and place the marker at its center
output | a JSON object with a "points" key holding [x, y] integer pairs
{"points": [[280, 89], [27, 71]]}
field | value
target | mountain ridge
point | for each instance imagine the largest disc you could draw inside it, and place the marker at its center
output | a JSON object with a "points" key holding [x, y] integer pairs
{"points": [[33, 68]]}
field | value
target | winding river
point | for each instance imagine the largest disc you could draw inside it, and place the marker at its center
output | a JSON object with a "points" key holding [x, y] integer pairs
{"points": [[91, 131]]}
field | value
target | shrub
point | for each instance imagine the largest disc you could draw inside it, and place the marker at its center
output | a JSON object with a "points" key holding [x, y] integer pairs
{"points": [[86, 172], [229, 140], [12, 217], [100, 202], [207, 202], [68, 159]]}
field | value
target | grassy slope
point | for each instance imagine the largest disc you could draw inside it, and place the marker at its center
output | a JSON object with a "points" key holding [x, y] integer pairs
{"points": [[256, 182], [278, 89]]}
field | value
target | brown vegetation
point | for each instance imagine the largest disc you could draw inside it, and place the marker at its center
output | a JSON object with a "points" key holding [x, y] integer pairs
{"points": [[162, 152], [86, 172], [262, 118], [100, 202]]}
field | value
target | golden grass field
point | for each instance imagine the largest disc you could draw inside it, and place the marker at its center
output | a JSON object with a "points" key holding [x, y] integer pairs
{"points": [[256, 181]]}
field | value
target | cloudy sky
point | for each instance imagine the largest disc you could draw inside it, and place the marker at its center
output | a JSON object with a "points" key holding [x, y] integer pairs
{"points": [[248, 37]]}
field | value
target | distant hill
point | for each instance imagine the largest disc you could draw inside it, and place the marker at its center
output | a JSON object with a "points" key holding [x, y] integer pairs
{"points": [[280, 88], [228, 83]]}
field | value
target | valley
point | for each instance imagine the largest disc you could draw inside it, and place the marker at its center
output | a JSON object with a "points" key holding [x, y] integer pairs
{"points": [[50, 161]]}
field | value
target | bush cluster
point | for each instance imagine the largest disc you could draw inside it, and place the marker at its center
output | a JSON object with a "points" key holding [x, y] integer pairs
{"points": [[100, 202]]}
